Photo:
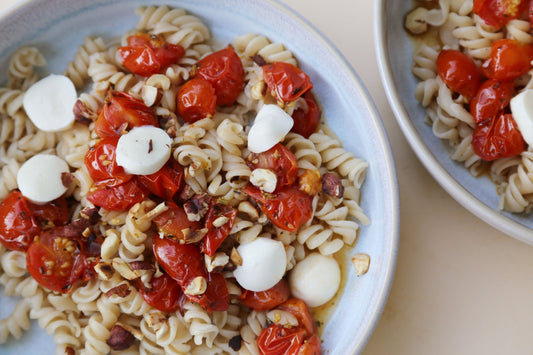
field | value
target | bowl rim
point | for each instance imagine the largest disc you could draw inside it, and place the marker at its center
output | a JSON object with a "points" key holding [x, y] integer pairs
{"points": [[441, 175]]}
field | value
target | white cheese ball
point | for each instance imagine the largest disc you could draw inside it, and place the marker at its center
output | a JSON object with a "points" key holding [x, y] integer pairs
{"points": [[522, 109], [315, 279], [264, 262], [271, 125], [39, 178]]}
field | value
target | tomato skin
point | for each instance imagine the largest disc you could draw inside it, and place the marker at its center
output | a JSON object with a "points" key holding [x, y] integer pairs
{"points": [[174, 220], [120, 113], [497, 13], [147, 54], [288, 208], [459, 72], [278, 340], [216, 296], [508, 60], [118, 197], [102, 165], [165, 182], [18, 225], [164, 293], [299, 309], [196, 100], [492, 97], [311, 346], [498, 137], [286, 81], [280, 160], [266, 300], [52, 214], [224, 70], [216, 235], [306, 122]]}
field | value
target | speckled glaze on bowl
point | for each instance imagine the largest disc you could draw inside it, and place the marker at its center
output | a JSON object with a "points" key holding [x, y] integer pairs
{"points": [[394, 50], [57, 28]]}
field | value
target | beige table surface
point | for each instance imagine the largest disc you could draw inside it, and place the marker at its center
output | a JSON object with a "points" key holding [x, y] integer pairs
{"points": [[461, 287]]}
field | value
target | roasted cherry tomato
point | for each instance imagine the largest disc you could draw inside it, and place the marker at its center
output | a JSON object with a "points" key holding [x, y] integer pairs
{"points": [[216, 235], [492, 98], [278, 340], [216, 296], [52, 214], [165, 182], [117, 198], [58, 259], [497, 13], [311, 346], [306, 119], [148, 54], [299, 309], [508, 60], [223, 69], [120, 113], [174, 220], [497, 137], [285, 81], [288, 207], [458, 71], [164, 293], [102, 165], [18, 226], [280, 160], [266, 300], [196, 100]]}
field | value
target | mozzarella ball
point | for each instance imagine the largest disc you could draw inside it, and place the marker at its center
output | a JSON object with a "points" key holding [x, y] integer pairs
{"points": [[264, 262], [143, 150], [315, 279], [39, 178], [49, 103], [271, 125]]}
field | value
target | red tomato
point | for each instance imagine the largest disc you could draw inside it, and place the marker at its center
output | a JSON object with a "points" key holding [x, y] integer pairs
{"points": [[492, 97], [164, 293], [120, 113], [497, 137], [52, 214], [278, 159], [216, 235], [18, 226], [165, 182], [266, 300], [223, 69], [58, 260], [278, 340], [299, 309], [117, 198], [306, 121], [497, 13], [196, 100], [458, 71], [530, 11], [174, 220], [311, 346], [102, 165], [216, 297], [148, 54], [285, 81], [288, 208], [508, 60]]}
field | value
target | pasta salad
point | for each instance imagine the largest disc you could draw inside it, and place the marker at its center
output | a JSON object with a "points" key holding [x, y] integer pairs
{"points": [[190, 199]]}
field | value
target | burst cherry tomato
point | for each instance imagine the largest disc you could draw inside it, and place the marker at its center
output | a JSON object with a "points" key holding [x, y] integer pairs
{"points": [[299, 309], [311, 346], [224, 70], [117, 198], [492, 97], [497, 13], [216, 296], [52, 214], [165, 182], [288, 208], [148, 54], [164, 293], [266, 300], [306, 120], [196, 100], [285, 81], [458, 71], [174, 220], [508, 60], [120, 113], [102, 165], [278, 159], [278, 340], [216, 235], [497, 137], [18, 226]]}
